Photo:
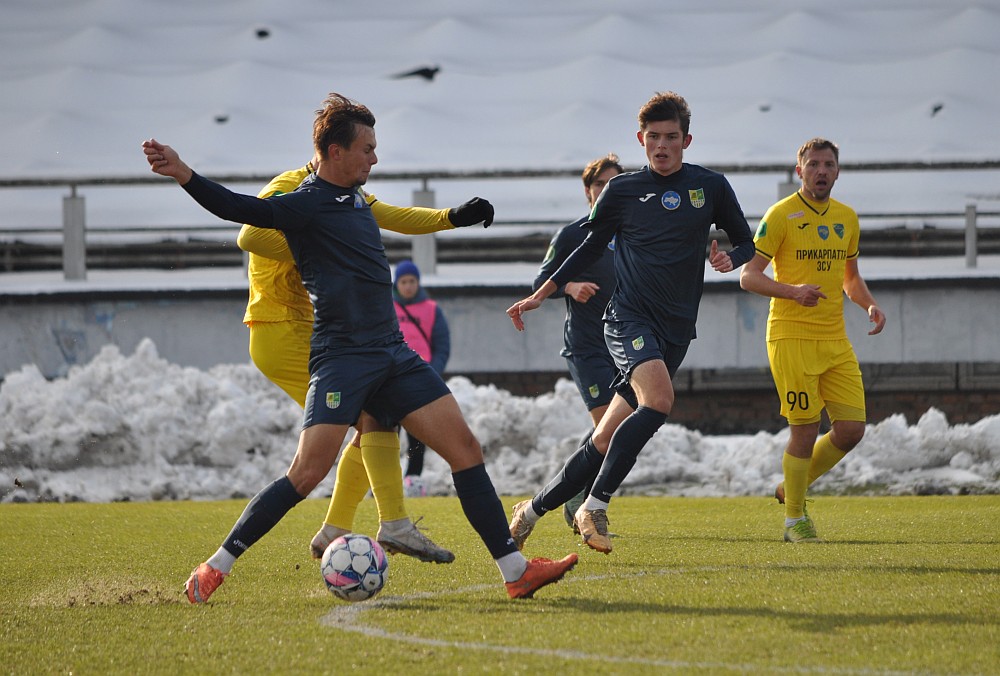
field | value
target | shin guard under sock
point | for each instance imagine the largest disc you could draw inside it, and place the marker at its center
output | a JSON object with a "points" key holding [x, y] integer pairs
{"points": [[484, 510], [626, 443], [579, 470], [261, 514]]}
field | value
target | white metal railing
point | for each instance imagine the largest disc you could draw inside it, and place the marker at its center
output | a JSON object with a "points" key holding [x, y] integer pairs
{"points": [[74, 228]]}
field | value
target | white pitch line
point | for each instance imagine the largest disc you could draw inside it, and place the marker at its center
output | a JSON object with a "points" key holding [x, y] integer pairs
{"points": [[349, 617]]}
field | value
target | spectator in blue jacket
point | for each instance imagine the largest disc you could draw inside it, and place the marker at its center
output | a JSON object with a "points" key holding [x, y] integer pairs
{"points": [[426, 331]]}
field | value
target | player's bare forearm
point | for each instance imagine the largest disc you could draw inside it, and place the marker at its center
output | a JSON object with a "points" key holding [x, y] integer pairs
{"points": [[532, 302], [857, 290], [754, 280]]}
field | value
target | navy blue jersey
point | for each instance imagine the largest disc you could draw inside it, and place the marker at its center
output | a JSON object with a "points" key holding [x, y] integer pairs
{"points": [[583, 331], [661, 226], [337, 248]]}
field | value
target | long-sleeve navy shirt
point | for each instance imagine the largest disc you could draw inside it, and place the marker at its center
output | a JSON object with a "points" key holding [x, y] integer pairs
{"points": [[661, 226], [583, 330], [337, 247]]}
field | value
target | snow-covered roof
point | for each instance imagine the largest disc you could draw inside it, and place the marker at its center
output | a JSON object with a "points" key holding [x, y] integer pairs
{"points": [[233, 84]]}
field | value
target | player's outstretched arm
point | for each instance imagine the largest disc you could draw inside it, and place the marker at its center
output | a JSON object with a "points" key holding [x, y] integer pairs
{"points": [[532, 302], [165, 161], [422, 220]]}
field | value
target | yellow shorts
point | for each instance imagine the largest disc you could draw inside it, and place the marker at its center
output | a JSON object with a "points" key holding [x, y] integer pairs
{"points": [[811, 375], [281, 351]]}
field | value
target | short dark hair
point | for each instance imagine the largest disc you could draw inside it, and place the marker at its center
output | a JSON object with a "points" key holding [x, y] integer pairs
{"points": [[817, 144], [666, 106], [598, 166], [337, 122]]}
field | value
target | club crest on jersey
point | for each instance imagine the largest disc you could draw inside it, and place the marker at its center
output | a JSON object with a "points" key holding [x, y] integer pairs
{"points": [[670, 200], [333, 399], [838, 228], [638, 343], [359, 201], [697, 198], [823, 231], [594, 391], [611, 244]]}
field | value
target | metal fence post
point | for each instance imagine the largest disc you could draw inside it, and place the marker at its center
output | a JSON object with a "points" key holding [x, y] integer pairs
{"points": [[971, 245], [74, 237], [788, 187], [423, 249]]}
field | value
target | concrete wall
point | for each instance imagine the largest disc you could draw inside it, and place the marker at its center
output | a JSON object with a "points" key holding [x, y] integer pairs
{"points": [[930, 321]]}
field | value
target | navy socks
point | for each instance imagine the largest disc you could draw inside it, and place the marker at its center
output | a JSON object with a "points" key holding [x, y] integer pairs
{"points": [[261, 514], [579, 470], [484, 510], [626, 443]]}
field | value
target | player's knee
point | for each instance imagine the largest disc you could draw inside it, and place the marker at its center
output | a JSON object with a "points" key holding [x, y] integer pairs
{"points": [[304, 478], [847, 434]]}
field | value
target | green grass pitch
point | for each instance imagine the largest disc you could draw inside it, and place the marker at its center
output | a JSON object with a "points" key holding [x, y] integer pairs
{"points": [[694, 585]]}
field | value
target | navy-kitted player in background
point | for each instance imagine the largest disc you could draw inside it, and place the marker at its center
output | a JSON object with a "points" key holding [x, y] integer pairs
{"points": [[660, 218], [358, 358], [587, 357]]}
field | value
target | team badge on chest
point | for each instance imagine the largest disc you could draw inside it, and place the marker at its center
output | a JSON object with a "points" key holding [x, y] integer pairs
{"points": [[670, 200], [697, 197]]}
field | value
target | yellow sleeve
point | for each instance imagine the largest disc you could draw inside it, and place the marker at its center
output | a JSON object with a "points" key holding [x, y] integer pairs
{"points": [[408, 220], [265, 241]]}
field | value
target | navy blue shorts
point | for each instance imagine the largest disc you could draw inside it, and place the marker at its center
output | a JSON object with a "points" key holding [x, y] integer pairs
{"points": [[389, 382], [593, 375], [632, 343]]}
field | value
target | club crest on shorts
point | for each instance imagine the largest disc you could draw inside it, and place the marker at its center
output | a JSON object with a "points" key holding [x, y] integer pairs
{"points": [[697, 197], [332, 399], [638, 343], [594, 391]]}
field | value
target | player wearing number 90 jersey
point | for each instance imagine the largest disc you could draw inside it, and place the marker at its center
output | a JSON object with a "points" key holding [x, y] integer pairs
{"points": [[811, 240]]}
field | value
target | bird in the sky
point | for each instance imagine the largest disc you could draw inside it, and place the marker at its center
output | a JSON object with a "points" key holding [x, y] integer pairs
{"points": [[426, 72]]}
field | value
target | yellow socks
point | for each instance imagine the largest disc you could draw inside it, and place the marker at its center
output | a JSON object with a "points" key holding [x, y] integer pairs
{"points": [[824, 457], [377, 462], [380, 451], [796, 481], [349, 491]]}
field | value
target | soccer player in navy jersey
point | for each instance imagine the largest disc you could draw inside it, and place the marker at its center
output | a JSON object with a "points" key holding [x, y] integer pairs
{"points": [[811, 242], [587, 357], [358, 360], [660, 217]]}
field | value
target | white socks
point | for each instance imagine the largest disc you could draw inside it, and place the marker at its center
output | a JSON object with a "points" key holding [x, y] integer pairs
{"points": [[222, 561], [512, 566]]}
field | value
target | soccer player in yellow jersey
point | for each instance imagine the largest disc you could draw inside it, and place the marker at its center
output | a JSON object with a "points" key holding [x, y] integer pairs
{"points": [[280, 317], [811, 241]]}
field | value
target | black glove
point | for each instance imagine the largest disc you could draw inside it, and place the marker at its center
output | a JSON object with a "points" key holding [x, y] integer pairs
{"points": [[476, 210]]}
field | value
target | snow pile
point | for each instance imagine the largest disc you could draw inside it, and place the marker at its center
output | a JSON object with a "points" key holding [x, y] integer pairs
{"points": [[140, 428]]}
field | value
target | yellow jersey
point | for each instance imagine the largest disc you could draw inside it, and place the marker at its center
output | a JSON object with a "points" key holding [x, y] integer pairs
{"points": [[276, 290], [808, 243]]}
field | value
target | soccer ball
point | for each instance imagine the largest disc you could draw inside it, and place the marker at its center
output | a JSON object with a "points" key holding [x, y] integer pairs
{"points": [[354, 567]]}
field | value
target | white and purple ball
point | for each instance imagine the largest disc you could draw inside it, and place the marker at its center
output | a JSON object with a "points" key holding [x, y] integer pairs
{"points": [[354, 567]]}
